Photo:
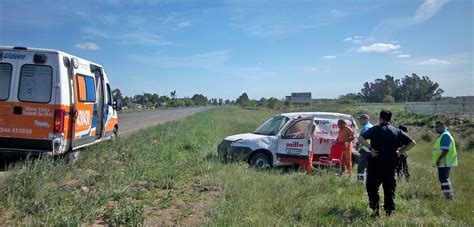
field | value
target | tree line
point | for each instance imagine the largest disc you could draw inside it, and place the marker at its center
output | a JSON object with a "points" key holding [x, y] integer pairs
{"points": [[150, 101], [389, 90], [411, 88]]}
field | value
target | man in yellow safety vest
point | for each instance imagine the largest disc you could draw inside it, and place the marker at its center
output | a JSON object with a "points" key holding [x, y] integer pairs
{"points": [[444, 157]]}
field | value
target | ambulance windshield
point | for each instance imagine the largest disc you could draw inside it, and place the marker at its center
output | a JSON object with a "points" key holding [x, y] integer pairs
{"points": [[272, 126]]}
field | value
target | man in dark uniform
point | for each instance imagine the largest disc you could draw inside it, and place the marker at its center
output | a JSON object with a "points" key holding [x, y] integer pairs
{"points": [[385, 141]]}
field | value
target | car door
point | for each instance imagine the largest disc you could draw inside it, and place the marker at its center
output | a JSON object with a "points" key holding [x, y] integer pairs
{"points": [[295, 142]]}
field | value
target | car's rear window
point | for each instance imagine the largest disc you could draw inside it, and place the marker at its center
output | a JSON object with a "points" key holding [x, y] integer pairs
{"points": [[35, 83], [5, 80]]}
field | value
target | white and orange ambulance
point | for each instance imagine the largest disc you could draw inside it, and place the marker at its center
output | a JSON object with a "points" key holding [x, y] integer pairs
{"points": [[52, 102]]}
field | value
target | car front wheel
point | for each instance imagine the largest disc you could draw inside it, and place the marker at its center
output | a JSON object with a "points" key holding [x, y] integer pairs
{"points": [[260, 161]]}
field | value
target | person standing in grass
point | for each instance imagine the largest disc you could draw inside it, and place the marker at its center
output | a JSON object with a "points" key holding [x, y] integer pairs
{"points": [[363, 151], [444, 158], [384, 147], [345, 138], [402, 164]]}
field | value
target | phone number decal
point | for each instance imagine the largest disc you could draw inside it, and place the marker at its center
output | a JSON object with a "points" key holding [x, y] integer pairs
{"points": [[16, 130]]}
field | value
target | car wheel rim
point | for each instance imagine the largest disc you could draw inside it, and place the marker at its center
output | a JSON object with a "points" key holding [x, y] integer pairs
{"points": [[261, 163]]}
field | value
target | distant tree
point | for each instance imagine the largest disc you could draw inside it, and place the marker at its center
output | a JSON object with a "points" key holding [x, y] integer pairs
{"points": [[188, 102], [173, 94], [139, 99], [215, 102], [117, 95], [415, 88], [155, 98], [127, 101], [409, 88], [146, 97], [164, 99], [273, 103], [243, 100], [199, 100], [179, 103], [263, 102], [221, 101]]}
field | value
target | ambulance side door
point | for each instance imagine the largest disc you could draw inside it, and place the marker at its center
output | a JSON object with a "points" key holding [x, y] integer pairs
{"points": [[85, 106], [295, 141], [8, 74]]}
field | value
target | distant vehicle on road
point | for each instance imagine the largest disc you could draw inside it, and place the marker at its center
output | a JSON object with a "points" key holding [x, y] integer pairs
{"points": [[287, 135], [52, 102]]}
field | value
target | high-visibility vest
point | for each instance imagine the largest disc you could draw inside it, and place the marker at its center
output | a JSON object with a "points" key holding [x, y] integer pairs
{"points": [[451, 158]]}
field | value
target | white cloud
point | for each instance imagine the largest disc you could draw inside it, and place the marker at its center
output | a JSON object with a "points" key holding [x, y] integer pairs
{"points": [[338, 13], [379, 48], [391, 26], [144, 38], [354, 39], [94, 32], [433, 61], [184, 24], [403, 56], [428, 9], [329, 57], [87, 46]]}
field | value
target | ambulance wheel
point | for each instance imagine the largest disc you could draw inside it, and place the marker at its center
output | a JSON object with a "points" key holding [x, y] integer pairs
{"points": [[260, 161], [114, 135], [72, 156]]}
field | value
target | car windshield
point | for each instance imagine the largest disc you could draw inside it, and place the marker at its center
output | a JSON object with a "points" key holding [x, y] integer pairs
{"points": [[272, 126]]}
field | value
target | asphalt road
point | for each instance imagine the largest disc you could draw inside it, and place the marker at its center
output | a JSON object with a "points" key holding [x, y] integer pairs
{"points": [[131, 122], [128, 124]]}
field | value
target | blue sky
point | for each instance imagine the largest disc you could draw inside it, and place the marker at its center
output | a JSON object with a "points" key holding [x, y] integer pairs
{"points": [[264, 48]]}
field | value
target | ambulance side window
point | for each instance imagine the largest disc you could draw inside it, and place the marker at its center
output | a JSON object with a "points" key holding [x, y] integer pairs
{"points": [[86, 88], [5, 80], [35, 83], [109, 97]]}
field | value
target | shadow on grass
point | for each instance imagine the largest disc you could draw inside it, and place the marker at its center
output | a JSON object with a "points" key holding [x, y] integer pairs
{"points": [[8, 160]]}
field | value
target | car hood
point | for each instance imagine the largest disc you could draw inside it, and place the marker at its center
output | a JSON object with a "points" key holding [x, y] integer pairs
{"points": [[245, 136]]}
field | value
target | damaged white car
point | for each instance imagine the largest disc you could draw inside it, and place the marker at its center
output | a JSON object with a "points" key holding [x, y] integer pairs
{"points": [[287, 135]]}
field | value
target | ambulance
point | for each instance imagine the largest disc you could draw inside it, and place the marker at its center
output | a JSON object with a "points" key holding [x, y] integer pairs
{"points": [[285, 136], [52, 102]]}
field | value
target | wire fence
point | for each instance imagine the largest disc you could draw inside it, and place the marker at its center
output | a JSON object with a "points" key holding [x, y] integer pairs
{"points": [[460, 107]]}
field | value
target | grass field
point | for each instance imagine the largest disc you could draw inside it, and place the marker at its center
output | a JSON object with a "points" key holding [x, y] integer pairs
{"points": [[162, 174]]}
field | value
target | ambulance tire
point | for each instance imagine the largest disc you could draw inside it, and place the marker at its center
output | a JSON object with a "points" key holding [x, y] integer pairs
{"points": [[260, 161], [114, 135], [72, 156]]}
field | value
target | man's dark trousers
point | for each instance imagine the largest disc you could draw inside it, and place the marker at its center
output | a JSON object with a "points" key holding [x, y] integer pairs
{"points": [[381, 173]]}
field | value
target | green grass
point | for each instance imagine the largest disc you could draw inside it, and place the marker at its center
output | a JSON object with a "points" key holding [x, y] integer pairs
{"points": [[172, 164]]}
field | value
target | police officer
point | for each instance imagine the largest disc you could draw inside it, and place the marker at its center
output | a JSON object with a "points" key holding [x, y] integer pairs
{"points": [[385, 140], [444, 157], [363, 151]]}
